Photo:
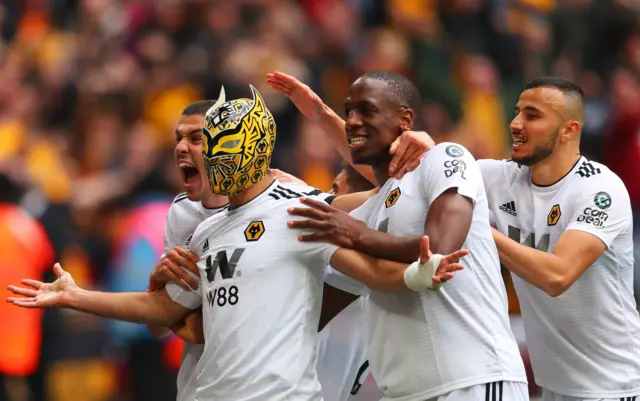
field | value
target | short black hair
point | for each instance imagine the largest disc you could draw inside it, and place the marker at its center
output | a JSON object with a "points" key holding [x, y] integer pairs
{"points": [[405, 92], [565, 86], [200, 108]]}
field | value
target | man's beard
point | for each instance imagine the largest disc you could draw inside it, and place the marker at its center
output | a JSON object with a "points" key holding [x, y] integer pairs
{"points": [[539, 153]]}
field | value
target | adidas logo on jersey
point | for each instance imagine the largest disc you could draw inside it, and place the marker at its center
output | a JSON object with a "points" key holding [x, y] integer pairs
{"points": [[509, 207]]}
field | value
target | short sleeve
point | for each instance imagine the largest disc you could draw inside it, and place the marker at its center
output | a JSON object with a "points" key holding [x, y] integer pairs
{"points": [[449, 165], [602, 209], [312, 253], [343, 282], [188, 298], [315, 252], [169, 241], [490, 171]]}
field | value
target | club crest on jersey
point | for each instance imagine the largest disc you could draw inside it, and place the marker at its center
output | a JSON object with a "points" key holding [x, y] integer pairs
{"points": [[254, 231], [554, 215], [602, 200], [393, 197]]}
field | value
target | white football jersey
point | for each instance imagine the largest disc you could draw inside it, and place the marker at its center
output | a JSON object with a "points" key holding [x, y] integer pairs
{"points": [[423, 345], [261, 293], [585, 342], [182, 219], [342, 366]]}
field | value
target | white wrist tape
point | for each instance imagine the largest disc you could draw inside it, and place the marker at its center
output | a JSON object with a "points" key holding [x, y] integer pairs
{"points": [[418, 276]]}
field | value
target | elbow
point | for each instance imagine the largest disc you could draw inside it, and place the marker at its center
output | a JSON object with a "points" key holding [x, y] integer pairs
{"points": [[556, 286]]}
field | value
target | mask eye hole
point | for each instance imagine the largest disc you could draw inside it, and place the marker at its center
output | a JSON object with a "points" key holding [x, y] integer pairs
{"points": [[230, 144]]}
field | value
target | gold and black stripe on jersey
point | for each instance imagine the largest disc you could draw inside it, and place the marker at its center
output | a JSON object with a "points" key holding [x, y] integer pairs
{"points": [[280, 192]]}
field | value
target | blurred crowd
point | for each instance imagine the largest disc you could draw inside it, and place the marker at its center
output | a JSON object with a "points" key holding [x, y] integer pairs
{"points": [[91, 90]]}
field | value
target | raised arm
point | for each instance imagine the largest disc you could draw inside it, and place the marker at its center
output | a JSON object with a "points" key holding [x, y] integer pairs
{"points": [[407, 149], [137, 307]]}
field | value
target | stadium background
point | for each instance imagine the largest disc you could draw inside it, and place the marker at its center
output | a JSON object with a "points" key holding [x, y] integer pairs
{"points": [[91, 90]]}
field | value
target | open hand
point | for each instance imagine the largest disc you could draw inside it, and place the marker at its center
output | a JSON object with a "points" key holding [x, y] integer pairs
{"points": [[328, 223], [172, 268], [407, 150], [448, 264], [44, 295], [306, 100]]}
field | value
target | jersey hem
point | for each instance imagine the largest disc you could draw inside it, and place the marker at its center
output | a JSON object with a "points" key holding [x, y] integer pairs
{"points": [[438, 392], [592, 394]]}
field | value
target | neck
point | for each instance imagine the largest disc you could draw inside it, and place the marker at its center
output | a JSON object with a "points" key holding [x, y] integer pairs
{"points": [[553, 168], [212, 201], [381, 170], [250, 193]]}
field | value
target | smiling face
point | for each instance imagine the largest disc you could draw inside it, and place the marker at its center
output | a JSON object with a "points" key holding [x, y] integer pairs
{"points": [[374, 120], [537, 127], [188, 155]]}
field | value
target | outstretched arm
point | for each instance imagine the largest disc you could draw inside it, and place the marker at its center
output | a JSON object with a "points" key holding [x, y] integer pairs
{"points": [[137, 307], [386, 276], [406, 150], [447, 222]]}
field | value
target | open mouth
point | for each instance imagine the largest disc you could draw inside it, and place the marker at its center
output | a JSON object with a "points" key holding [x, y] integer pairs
{"points": [[518, 141], [356, 140], [190, 176]]}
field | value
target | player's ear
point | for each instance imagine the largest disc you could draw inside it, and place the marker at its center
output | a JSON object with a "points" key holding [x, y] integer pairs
{"points": [[406, 119], [571, 129]]}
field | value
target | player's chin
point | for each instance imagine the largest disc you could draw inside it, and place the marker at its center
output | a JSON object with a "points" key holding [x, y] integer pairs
{"points": [[360, 155], [194, 190], [518, 154]]}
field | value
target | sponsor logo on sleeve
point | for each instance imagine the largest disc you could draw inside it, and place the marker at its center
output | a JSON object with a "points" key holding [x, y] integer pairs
{"points": [[455, 166], [593, 216]]}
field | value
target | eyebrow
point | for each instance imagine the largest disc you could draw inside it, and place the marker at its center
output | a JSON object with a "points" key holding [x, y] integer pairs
{"points": [[528, 108], [191, 131]]}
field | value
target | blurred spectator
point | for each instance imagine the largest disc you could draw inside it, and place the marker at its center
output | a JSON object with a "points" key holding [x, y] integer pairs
{"points": [[91, 90], [25, 251]]}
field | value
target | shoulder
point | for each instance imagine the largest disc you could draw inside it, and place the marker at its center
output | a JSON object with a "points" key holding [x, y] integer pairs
{"points": [[588, 171], [595, 178], [289, 191], [180, 197], [182, 205], [447, 150], [295, 189], [489, 167]]}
